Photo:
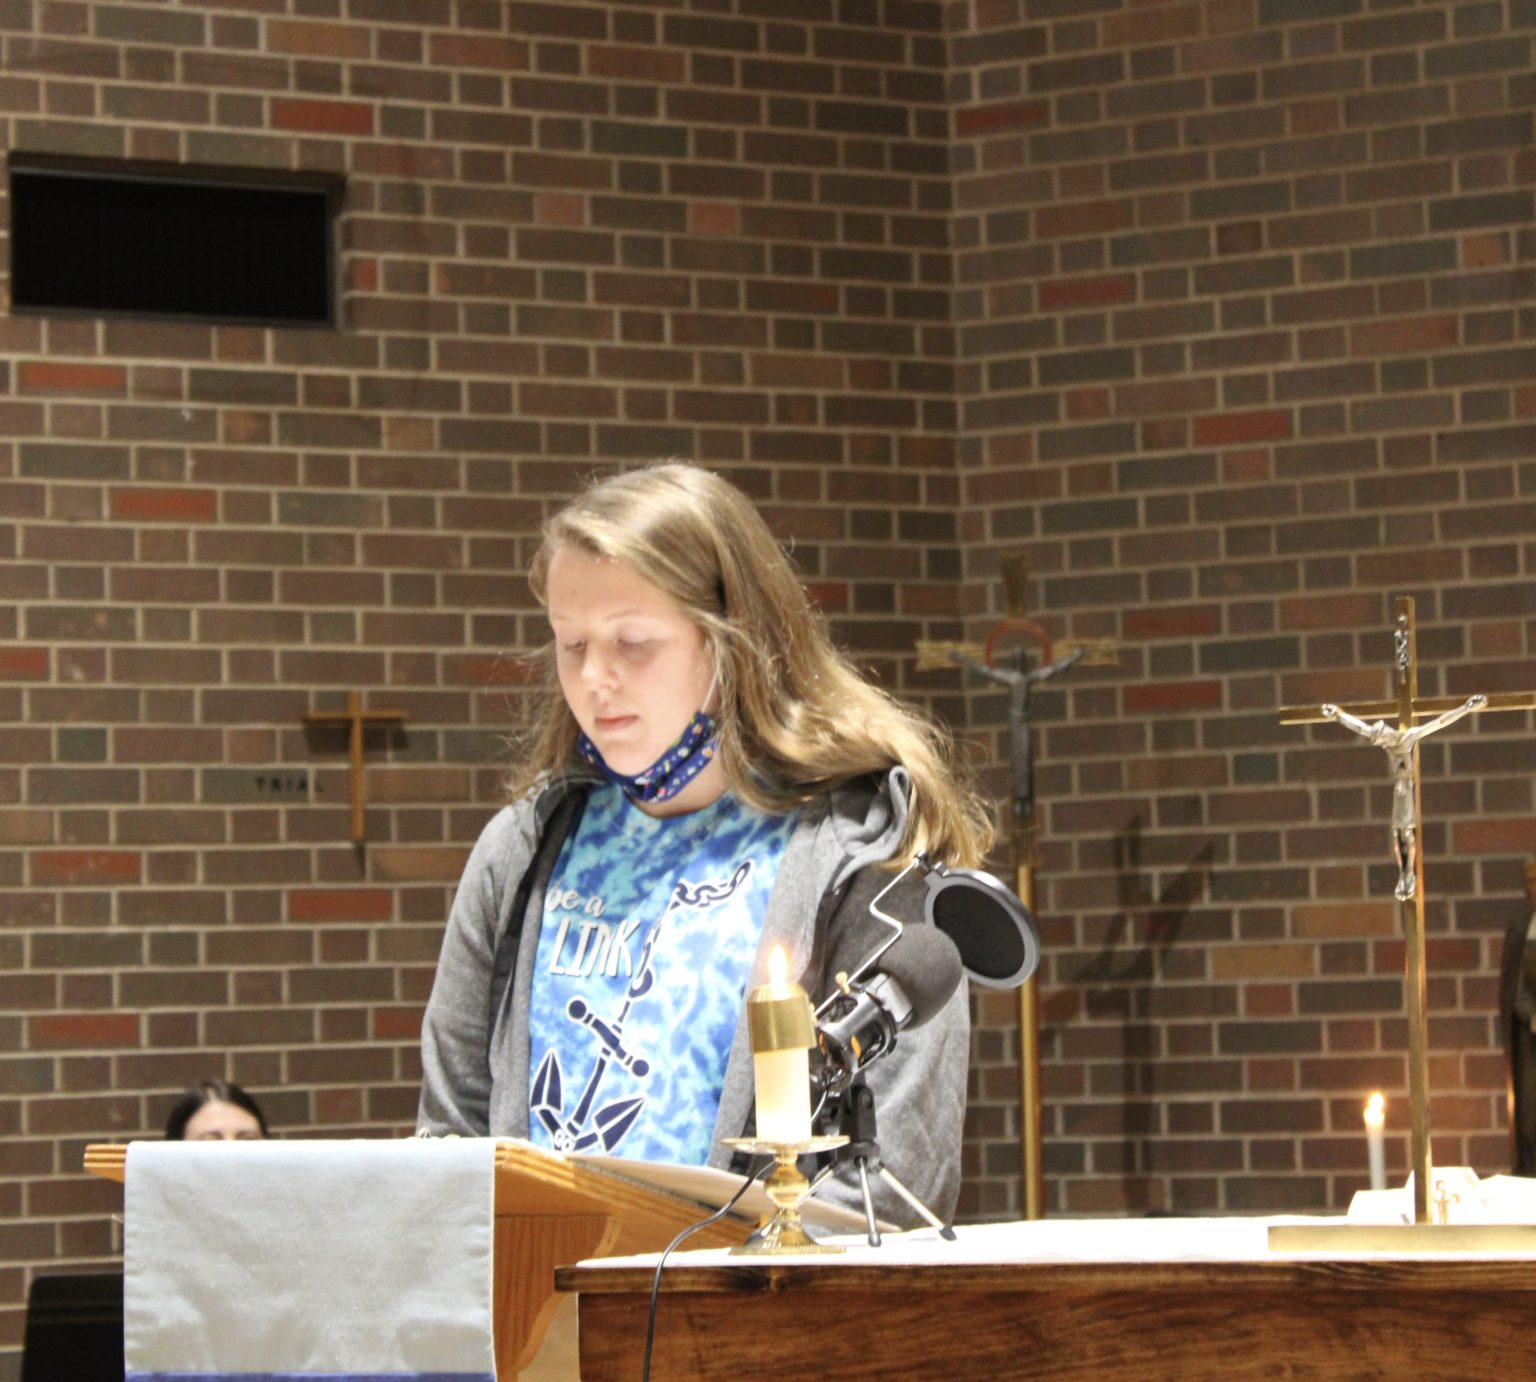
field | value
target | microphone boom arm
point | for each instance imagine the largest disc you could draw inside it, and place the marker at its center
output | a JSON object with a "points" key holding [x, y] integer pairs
{"points": [[889, 920]]}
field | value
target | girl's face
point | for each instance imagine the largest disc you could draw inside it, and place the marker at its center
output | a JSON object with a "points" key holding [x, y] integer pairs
{"points": [[633, 667], [221, 1122]]}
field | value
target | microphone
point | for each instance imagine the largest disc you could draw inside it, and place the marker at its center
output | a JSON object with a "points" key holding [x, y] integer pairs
{"points": [[919, 972], [978, 928]]}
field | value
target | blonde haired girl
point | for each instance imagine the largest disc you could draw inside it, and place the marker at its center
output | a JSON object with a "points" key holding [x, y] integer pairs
{"points": [[706, 778], [795, 718]]}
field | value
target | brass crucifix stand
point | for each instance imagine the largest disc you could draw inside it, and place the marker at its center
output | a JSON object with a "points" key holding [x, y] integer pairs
{"points": [[1014, 672], [357, 721], [1429, 1230]]}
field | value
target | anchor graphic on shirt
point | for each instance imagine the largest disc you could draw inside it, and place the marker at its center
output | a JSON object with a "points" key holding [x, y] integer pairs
{"points": [[612, 1121]]}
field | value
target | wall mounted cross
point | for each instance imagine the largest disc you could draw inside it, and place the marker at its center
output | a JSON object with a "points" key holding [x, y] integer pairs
{"points": [[1009, 666], [357, 721]]}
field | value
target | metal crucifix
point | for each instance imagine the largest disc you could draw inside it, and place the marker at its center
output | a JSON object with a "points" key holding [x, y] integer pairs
{"points": [[1401, 743], [1011, 668]]}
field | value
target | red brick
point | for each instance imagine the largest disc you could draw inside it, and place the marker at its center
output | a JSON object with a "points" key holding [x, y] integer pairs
{"points": [[1405, 566], [1272, 1000], [1332, 611], [1340, 685], [63, 377], [444, 863], [478, 50], [1405, 336], [311, 116], [1159, 697], [567, 400], [403, 160], [1341, 920], [397, 1024], [63, 868], [714, 218], [1494, 837], [569, 171], [1232, 429], [1089, 404], [1166, 396], [1145, 26], [1484, 251], [619, 62], [1001, 115], [560, 209], [485, 669], [1179, 772], [66, 1031], [147, 505], [317, 40], [23, 664], [340, 904], [1082, 219], [1196, 621], [1065, 294], [22, 827]]}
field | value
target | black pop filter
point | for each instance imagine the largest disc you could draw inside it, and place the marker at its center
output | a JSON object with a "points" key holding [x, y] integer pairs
{"points": [[990, 926]]}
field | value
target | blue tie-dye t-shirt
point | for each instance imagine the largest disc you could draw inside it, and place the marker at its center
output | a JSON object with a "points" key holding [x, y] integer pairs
{"points": [[650, 930]]}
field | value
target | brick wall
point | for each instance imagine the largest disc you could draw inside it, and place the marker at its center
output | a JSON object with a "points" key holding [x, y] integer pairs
{"points": [[573, 235], [1215, 310], [1244, 317]]}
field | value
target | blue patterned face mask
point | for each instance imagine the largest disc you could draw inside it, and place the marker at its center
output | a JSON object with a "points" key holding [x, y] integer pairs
{"points": [[669, 774]]}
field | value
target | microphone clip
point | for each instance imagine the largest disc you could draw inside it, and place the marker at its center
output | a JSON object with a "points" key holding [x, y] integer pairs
{"points": [[856, 1025]]}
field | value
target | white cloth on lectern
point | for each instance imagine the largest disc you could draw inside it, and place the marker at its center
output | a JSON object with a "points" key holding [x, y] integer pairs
{"points": [[349, 1257]]}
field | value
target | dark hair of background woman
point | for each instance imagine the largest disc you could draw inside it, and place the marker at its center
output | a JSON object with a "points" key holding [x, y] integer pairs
{"points": [[210, 1092]]}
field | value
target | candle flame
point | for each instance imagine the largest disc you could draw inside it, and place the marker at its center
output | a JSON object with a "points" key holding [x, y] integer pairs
{"points": [[1375, 1106], [778, 965]]}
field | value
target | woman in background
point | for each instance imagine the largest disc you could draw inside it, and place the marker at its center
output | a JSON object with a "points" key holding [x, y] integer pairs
{"points": [[215, 1111]]}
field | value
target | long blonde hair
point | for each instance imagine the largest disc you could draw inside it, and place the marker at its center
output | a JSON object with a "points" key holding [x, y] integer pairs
{"points": [[794, 717]]}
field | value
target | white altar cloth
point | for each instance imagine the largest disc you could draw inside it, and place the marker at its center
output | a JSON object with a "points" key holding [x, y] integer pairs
{"points": [[340, 1259], [1047, 1241]]}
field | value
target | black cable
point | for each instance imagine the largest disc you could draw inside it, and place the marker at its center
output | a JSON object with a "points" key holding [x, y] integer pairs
{"points": [[650, 1319]]}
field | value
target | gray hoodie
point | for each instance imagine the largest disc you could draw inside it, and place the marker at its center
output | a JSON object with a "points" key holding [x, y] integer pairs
{"points": [[475, 1070]]}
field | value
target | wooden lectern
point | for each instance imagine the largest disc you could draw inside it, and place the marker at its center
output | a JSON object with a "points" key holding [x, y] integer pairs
{"points": [[549, 1211]]}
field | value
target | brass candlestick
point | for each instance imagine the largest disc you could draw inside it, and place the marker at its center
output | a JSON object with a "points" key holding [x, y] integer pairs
{"points": [[787, 1187], [783, 1031]]}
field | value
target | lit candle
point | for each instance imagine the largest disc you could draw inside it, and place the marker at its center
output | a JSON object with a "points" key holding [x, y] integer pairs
{"points": [[783, 1029], [1375, 1145]]}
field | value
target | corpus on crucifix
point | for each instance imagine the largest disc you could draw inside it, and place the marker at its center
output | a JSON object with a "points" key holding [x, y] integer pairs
{"points": [[1400, 745]]}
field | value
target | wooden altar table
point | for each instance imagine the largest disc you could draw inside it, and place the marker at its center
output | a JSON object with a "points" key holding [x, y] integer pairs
{"points": [[1232, 1311]]}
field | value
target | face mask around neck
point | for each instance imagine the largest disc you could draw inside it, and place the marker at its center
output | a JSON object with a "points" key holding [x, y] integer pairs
{"points": [[693, 751]]}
